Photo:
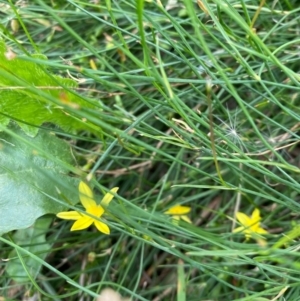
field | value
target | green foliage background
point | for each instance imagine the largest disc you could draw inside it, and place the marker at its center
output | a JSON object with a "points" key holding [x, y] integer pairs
{"points": [[175, 102]]}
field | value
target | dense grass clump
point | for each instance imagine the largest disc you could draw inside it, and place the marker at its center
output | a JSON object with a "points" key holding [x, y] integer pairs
{"points": [[191, 108]]}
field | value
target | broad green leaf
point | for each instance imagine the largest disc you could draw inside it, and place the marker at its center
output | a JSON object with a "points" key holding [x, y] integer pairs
{"points": [[32, 239], [33, 108], [32, 170]]}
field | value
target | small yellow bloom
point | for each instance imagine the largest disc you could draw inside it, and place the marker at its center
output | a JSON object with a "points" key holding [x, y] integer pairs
{"points": [[179, 212], [250, 225], [87, 200]]}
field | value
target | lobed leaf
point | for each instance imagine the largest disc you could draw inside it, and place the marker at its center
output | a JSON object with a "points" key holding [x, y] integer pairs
{"points": [[32, 171], [31, 95]]}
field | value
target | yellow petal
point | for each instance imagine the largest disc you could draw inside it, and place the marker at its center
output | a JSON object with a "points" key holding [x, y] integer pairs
{"points": [[255, 216], [109, 196], [73, 215], [178, 210], [260, 230], [83, 223], [255, 227], [95, 210], [244, 219], [86, 195], [186, 218], [102, 227]]}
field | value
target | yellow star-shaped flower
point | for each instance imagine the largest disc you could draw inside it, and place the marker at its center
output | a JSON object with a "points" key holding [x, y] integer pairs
{"points": [[250, 225], [83, 221], [179, 212]]}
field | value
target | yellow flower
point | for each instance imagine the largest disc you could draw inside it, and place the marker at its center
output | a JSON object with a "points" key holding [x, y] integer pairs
{"points": [[250, 225], [179, 212], [83, 221]]}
